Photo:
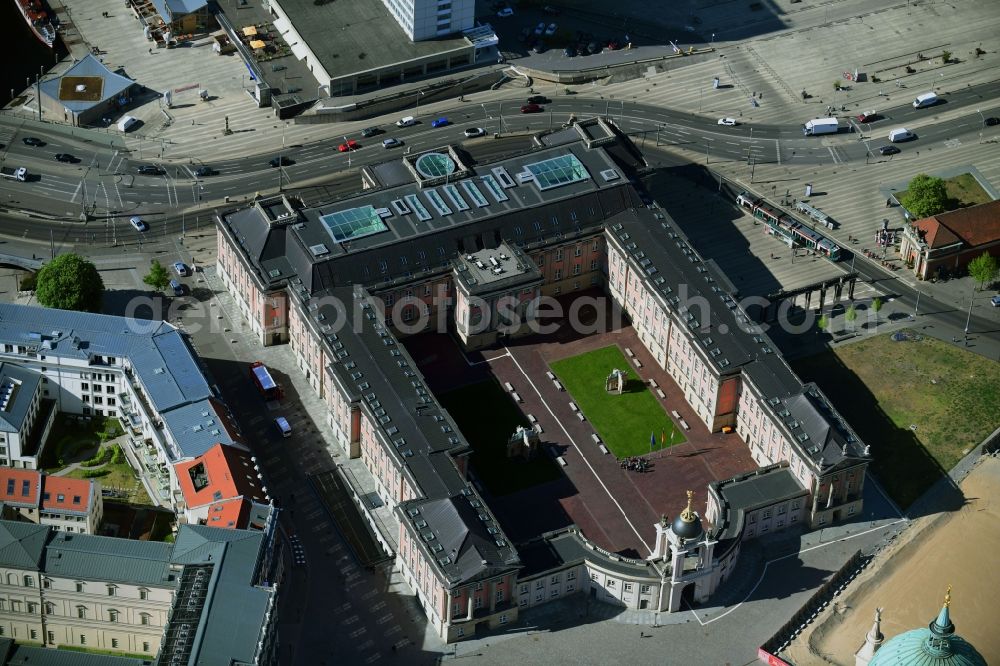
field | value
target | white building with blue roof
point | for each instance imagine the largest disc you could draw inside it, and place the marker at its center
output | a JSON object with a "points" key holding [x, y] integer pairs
{"points": [[87, 92], [143, 373]]}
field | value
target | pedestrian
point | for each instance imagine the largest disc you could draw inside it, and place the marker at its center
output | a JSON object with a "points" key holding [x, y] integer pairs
{"points": [[150, 51]]}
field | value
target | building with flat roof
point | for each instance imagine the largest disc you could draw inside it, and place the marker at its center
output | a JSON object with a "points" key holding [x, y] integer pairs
{"points": [[207, 598], [378, 45], [427, 247]]}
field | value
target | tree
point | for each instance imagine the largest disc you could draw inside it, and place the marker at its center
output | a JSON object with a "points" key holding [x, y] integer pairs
{"points": [[850, 314], [945, 57], [70, 282], [984, 269], [837, 84], [823, 322], [876, 306], [925, 196], [158, 278]]}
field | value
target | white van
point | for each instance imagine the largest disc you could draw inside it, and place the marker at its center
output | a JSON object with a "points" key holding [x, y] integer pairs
{"points": [[927, 99], [127, 123], [901, 134], [406, 122], [283, 427]]}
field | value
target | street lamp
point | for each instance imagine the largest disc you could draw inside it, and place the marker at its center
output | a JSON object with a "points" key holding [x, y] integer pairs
{"points": [[713, 39], [981, 125], [972, 297]]}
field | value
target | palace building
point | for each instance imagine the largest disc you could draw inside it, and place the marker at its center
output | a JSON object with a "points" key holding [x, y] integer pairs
{"points": [[432, 240]]}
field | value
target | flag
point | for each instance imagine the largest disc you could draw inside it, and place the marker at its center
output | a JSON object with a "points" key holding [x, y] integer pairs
{"points": [[652, 441]]}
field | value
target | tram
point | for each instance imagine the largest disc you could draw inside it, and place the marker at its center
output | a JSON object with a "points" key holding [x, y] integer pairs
{"points": [[790, 230]]}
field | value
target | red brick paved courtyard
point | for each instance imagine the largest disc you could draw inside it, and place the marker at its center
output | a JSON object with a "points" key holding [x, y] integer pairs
{"points": [[613, 507]]}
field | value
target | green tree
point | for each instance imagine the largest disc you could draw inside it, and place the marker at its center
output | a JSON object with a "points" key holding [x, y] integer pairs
{"points": [[850, 314], [984, 269], [876, 306], [945, 57], [70, 282], [158, 278], [823, 323], [925, 196]]}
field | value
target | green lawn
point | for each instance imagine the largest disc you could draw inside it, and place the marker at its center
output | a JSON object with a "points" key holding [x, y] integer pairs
{"points": [[73, 441], [963, 191], [487, 417], [114, 476], [920, 405], [625, 421]]}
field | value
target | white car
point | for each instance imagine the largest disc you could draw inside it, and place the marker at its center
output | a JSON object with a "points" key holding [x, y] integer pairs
{"points": [[474, 132], [728, 122], [539, 29], [391, 143], [137, 223], [551, 30], [505, 12]]}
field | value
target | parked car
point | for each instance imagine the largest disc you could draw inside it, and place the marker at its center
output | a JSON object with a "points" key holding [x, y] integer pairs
{"points": [[440, 122], [540, 29], [65, 157], [538, 47], [995, 301], [137, 223], [538, 99], [471, 132], [279, 161], [991, 121], [551, 30], [203, 171], [612, 45], [581, 49], [391, 143], [151, 170], [594, 48], [349, 146], [35, 141], [370, 131], [550, 10], [177, 288], [570, 52], [505, 12], [180, 268], [888, 150], [531, 108], [728, 122]]}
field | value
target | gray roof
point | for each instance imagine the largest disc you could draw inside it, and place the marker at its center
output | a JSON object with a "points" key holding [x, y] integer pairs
{"points": [[199, 426], [729, 340], [753, 490], [17, 388], [114, 84], [159, 353], [366, 36], [108, 559], [236, 606], [566, 548], [22, 544], [24, 655], [177, 8]]}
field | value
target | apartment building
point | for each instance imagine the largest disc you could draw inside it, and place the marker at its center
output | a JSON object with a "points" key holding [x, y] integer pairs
{"points": [[68, 505]]}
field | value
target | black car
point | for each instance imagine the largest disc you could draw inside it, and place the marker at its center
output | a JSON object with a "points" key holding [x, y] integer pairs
{"points": [[280, 161], [538, 99], [65, 157], [370, 131], [570, 52], [594, 48], [990, 122], [204, 171], [888, 150], [32, 141], [151, 170]]}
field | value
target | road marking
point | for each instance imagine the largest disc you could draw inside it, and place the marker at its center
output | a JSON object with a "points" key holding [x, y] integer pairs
{"points": [[777, 150], [79, 186], [578, 450], [833, 155]]}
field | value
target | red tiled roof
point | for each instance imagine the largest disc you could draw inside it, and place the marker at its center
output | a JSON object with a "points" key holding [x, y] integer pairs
{"points": [[974, 226], [229, 514], [223, 472], [13, 489], [66, 494]]}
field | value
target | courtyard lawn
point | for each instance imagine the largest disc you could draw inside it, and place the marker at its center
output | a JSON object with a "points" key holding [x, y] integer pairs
{"points": [[963, 191], [73, 439], [920, 404], [487, 417], [624, 422]]}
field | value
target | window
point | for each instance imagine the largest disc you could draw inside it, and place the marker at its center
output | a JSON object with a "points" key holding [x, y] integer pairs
{"points": [[33, 634], [524, 589], [85, 386], [51, 635], [46, 583], [628, 587], [461, 632], [112, 615], [15, 605], [576, 251], [570, 587], [143, 593], [114, 642], [83, 639], [554, 592], [50, 608], [112, 590], [81, 612], [644, 589], [850, 511], [554, 579], [499, 595], [3, 632], [32, 607], [144, 618], [503, 618], [612, 582], [29, 581], [576, 269], [479, 586], [559, 254], [570, 575], [479, 602], [558, 274]]}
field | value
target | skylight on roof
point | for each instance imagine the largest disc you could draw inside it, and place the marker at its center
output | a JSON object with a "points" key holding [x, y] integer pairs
{"points": [[353, 223], [557, 171]]}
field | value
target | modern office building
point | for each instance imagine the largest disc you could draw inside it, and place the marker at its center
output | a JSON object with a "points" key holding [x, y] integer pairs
{"points": [[430, 240], [430, 19]]}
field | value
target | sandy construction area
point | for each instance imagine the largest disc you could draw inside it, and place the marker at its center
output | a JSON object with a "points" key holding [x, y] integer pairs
{"points": [[910, 579]]}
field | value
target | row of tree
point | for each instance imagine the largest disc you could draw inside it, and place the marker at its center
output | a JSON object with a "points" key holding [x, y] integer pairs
{"points": [[70, 282]]}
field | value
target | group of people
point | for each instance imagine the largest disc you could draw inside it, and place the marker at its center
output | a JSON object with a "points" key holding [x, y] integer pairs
{"points": [[634, 464]]}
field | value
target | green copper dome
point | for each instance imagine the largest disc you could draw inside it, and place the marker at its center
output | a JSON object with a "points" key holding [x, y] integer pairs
{"points": [[937, 645]]}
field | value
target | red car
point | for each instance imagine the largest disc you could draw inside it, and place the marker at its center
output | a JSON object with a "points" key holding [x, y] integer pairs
{"points": [[531, 108], [350, 145], [868, 117]]}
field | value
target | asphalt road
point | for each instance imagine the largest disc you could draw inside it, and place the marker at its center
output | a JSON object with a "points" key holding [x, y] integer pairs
{"points": [[104, 182]]}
